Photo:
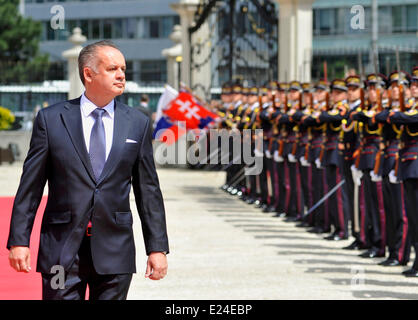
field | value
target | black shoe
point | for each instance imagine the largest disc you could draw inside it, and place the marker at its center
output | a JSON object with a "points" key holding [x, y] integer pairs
{"points": [[280, 215], [338, 237], [372, 253], [250, 200], [330, 237], [411, 273], [316, 230], [389, 263], [354, 246], [290, 219], [303, 224], [257, 203]]}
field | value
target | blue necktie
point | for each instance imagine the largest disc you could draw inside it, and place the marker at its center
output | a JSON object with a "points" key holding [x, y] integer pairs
{"points": [[97, 150]]}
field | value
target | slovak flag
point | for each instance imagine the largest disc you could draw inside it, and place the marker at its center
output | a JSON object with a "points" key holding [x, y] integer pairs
{"points": [[168, 131], [186, 108]]}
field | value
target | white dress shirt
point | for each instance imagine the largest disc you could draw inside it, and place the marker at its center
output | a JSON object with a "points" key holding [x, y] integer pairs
{"points": [[87, 107]]}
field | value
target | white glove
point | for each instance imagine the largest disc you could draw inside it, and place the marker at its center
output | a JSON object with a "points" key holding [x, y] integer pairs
{"points": [[258, 153], [268, 154], [357, 174], [393, 178], [375, 177], [318, 163], [291, 158], [304, 162], [276, 157]]}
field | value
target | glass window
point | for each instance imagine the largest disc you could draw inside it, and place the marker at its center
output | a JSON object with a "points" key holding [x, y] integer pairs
{"points": [[117, 29], [385, 21], [154, 71], [412, 18], [154, 28], [107, 29], [129, 71], [325, 21], [130, 28], [397, 19], [84, 25], [95, 29], [167, 27]]}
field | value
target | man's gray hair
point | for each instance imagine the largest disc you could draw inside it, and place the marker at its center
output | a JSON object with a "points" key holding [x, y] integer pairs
{"points": [[87, 56]]}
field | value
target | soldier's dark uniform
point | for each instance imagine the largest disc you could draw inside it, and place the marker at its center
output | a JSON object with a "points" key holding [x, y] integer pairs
{"points": [[370, 200], [333, 163], [294, 195], [395, 215], [408, 171], [316, 134]]}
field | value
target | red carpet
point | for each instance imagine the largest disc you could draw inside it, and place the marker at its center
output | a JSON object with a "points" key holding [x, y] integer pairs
{"points": [[16, 285]]}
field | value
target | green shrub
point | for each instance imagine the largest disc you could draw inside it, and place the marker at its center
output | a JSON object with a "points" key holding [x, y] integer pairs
{"points": [[6, 118]]}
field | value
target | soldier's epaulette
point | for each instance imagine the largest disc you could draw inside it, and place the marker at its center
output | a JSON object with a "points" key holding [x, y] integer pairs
{"points": [[237, 118], [230, 116], [333, 112], [222, 114]]}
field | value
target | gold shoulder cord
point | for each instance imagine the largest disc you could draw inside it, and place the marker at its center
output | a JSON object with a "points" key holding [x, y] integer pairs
{"points": [[397, 131], [410, 133]]}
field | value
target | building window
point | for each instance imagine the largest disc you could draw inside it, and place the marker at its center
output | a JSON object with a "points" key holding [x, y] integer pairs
{"points": [[412, 18], [397, 19], [153, 71]]}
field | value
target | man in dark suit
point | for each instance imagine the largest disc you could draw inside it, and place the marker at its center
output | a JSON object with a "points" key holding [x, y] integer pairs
{"points": [[90, 150]]}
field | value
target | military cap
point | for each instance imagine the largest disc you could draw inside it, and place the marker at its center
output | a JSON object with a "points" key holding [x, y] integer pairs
{"points": [[264, 90], [245, 90], [283, 86], [273, 85], [339, 84], [226, 88], [400, 77], [353, 81], [253, 91], [322, 85], [415, 74], [307, 87], [295, 85], [237, 88], [373, 79]]}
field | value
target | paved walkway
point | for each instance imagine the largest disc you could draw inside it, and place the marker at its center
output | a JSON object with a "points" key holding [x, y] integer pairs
{"points": [[222, 248]]}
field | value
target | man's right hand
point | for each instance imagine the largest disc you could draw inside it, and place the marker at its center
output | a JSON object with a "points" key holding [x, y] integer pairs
{"points": [[19, 258]]}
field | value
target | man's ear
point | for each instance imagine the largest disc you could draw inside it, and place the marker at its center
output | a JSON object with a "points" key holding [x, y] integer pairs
{"points": [[88, 74]]}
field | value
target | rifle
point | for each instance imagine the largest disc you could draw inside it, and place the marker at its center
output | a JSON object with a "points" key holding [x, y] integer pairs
{"points": [[321, 154], [381, 147], [357, 153], [311, 109], [281, 142]]}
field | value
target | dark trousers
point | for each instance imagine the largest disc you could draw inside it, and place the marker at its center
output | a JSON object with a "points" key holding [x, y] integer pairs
{"points": [[372, 216], [411, 205], [305, 178], [397, 224], [81, 274], [317, 189], [281, 180], [264, 181], [294, 207], [349, 187], [337, 201]]}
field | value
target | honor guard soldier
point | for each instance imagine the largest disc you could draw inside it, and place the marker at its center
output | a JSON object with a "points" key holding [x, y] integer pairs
{"points": [[302, 151], [407, 166], [266, 126], [370, 214], [333, 158], [396, 220], [279, 163], [290, 128], [320, 219]]}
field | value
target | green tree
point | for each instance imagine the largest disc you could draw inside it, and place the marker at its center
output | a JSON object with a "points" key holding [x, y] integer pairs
{"points": [[20, 59]]}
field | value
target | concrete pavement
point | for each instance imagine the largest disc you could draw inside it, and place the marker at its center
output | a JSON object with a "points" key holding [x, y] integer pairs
{"points": [[222, 248]]}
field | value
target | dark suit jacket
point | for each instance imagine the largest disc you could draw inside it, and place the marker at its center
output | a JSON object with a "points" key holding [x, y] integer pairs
{"points": [[58, 154]]}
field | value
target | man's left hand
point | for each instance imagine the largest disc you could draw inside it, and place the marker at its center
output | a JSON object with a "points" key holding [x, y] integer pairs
{"points": [[156, 266]]}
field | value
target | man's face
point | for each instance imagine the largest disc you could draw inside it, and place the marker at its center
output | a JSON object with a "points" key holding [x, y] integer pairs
{"points": [[353, 93], [394, 90], [108, 78], [321, 95], [307, 98], [338, 95], [372, 94], [237, 97], [414, 89], [252, 98], [282, 96], [294, 95]]}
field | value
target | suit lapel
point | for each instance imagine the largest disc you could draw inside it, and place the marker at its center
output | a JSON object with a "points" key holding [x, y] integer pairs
{"points": [[120, 133], [73, 123]]}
